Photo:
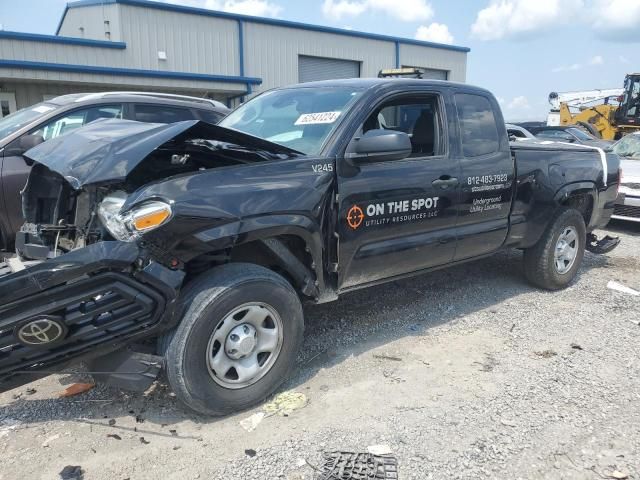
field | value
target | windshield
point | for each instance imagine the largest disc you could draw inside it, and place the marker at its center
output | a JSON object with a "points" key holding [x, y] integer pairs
{"points": [[580, 135], [298, 118], [629, 146], [19, 119]]}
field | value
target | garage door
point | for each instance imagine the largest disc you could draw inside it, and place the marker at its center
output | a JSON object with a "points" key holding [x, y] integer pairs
{"points": [[431, 73], [311, 69]]}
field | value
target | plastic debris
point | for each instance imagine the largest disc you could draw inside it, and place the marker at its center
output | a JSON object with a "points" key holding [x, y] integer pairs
{"points": [[286, 403], [358, 466], [250, 452], [250, 423], [621, 288], [76, 389], [115, 436], [144, 441], [72, 472], [379, 450], [48, 441]]}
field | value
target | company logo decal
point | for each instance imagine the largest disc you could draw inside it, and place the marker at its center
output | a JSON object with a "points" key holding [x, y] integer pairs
{"points": [[385, 213], [355, 216], [41, 332]]}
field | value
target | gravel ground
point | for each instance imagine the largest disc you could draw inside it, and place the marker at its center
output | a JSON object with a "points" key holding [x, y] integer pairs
{"points": [[464, 373]]}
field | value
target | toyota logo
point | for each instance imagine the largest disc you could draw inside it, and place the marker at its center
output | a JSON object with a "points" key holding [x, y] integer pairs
{"points": [[41, 332]]}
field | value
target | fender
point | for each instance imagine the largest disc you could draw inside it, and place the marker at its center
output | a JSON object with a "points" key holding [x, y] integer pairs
{"points": [[575, 189], [261, 228]]}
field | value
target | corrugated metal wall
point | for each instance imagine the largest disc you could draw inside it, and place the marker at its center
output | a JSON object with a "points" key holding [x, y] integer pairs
{"points": [[271, 52], [91, 20]]}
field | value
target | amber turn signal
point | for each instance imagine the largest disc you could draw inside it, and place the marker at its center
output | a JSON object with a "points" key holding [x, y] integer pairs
{"points": [[150, 216]]}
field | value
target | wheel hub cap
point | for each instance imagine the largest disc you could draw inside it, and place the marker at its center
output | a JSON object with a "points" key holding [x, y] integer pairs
{"points": [[241, 341], [566, 250]]}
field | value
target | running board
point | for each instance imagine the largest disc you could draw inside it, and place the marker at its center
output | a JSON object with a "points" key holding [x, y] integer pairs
{"points": [[603, 246]]}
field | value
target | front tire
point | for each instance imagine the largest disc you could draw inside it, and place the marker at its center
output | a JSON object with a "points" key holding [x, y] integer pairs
{"points": [[238, 339], [554, 261]]}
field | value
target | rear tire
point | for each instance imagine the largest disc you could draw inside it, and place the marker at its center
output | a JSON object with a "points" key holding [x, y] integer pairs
{"points": [[554, 261], [219, 308]]}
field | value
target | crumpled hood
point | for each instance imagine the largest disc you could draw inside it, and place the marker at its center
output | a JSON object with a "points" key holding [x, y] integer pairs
{"points": [[106, 151]]}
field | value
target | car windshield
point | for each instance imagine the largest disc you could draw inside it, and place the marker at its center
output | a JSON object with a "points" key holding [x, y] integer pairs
{"points": [[298, 118], [580, 135], [19, 119], [629, 146]]}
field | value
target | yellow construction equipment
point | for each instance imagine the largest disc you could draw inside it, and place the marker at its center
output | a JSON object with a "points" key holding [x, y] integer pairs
{"points": [[616, 116]]}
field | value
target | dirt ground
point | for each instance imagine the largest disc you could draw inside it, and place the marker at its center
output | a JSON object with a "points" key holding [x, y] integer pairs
{"points": [[462, 373]]}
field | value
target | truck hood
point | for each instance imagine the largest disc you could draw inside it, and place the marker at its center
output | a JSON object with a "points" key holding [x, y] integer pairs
{"points": [[106, 151]]}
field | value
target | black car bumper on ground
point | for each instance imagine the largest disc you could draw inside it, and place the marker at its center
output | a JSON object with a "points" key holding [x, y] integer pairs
{"points": [[81, 305]]}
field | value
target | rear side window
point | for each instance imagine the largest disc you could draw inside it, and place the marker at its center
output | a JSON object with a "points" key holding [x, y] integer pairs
{"points": [[211, 116], [161, 114], [477, 125]]}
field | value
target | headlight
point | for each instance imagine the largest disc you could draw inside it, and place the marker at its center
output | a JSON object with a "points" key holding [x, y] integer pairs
{"points": [[129, 225]]}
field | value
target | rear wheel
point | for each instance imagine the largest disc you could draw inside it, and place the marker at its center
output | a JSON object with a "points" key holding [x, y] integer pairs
{"points": [[553, 262], [237, 341]]}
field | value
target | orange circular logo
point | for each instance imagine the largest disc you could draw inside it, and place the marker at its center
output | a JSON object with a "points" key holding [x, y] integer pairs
{"points": [[355, 216]]}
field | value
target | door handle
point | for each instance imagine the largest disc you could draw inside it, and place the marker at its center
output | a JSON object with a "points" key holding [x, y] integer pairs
{"points": [[445, 182]]}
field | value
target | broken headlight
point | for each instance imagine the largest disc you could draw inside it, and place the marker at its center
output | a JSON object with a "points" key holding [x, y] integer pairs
{"points": [[129, 225]]}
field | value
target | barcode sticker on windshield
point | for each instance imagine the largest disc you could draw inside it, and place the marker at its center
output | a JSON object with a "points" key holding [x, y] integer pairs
{"points": [[317, 118], [42, 109]]}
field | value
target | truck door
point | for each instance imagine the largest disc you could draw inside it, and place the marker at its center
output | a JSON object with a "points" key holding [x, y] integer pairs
{"points": [[487, 176], [399, 216]]}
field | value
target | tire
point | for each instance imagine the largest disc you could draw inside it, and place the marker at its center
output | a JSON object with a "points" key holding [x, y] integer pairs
{"points": [[540, 265], [209, 303]]}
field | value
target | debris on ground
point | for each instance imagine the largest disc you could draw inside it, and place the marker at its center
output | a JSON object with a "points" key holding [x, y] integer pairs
{"points": [[112, 422], [144, 441], [576, 346], [115, 436], [357, 466], [379, 449], [619, 287], [546, 354], [48, 441], [76, 389], [286, 403], [72, 472], [250, 452], [387, 357], [618, 475], [251, 423], [31, 391]]}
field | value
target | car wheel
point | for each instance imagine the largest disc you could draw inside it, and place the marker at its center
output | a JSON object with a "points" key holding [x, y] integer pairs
{"points": [[553, 262], [237, 341]]}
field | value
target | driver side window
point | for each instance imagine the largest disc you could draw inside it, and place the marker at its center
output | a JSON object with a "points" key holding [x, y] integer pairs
{"points": [[418, 117], [76, 119]]}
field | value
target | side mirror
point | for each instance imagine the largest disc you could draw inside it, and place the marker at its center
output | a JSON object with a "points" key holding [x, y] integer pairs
{"points": [[22, 144], [381, 145]]}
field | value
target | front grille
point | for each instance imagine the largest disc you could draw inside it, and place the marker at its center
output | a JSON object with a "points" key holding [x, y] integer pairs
{"points": [[102, 309], [626, 211]]}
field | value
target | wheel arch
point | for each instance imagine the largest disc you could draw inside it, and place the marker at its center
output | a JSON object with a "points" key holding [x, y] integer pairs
{"points": [[582, 196]]}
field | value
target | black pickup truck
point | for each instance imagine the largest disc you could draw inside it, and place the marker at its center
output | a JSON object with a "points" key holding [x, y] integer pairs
{"points": [[191, 247]]}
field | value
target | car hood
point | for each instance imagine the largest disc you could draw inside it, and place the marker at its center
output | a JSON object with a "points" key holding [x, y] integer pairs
{"points": [[106, 151]]}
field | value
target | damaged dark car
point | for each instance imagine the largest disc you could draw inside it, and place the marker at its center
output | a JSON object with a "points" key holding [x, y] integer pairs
{"points": [[191, 247]]}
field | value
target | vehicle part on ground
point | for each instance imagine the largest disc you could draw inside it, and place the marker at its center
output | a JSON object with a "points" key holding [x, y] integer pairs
{"points": [[237, 341], [357, 466], [554, 261], [602, 246]]}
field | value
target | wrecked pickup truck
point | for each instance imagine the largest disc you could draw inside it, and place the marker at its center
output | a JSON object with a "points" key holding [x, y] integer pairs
{"points": [[191, 247]]}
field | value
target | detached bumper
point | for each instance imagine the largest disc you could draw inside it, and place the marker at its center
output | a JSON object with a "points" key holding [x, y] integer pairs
{"points": [[78, 306]]}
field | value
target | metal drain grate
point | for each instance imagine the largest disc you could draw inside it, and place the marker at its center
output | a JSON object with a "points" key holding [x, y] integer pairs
{"points": [[358, 466]]}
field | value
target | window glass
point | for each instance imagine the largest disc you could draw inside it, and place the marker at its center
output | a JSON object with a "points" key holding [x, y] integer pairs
{"points": [[629, 146], [21, 118], [516, 133], [299, 118], [210, 116], [555, 134], [579, 134], [76, 119], [161, 114], [477, 125], [416, 118]]}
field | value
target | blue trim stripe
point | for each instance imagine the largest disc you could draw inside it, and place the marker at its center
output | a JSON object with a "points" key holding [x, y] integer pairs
{"points": [[33, 37], [267, 21], [129, 72]]}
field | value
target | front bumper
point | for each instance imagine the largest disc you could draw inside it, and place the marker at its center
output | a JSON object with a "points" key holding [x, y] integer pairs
{"points": [[81, 305], [627, 207]]}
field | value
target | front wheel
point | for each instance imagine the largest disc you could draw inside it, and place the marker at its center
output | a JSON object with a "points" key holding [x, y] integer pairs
{"points": [[237, 341], [553, 262]]}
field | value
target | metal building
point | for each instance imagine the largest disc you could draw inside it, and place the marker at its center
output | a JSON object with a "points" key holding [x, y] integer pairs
{"points": [[144, 45]]}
